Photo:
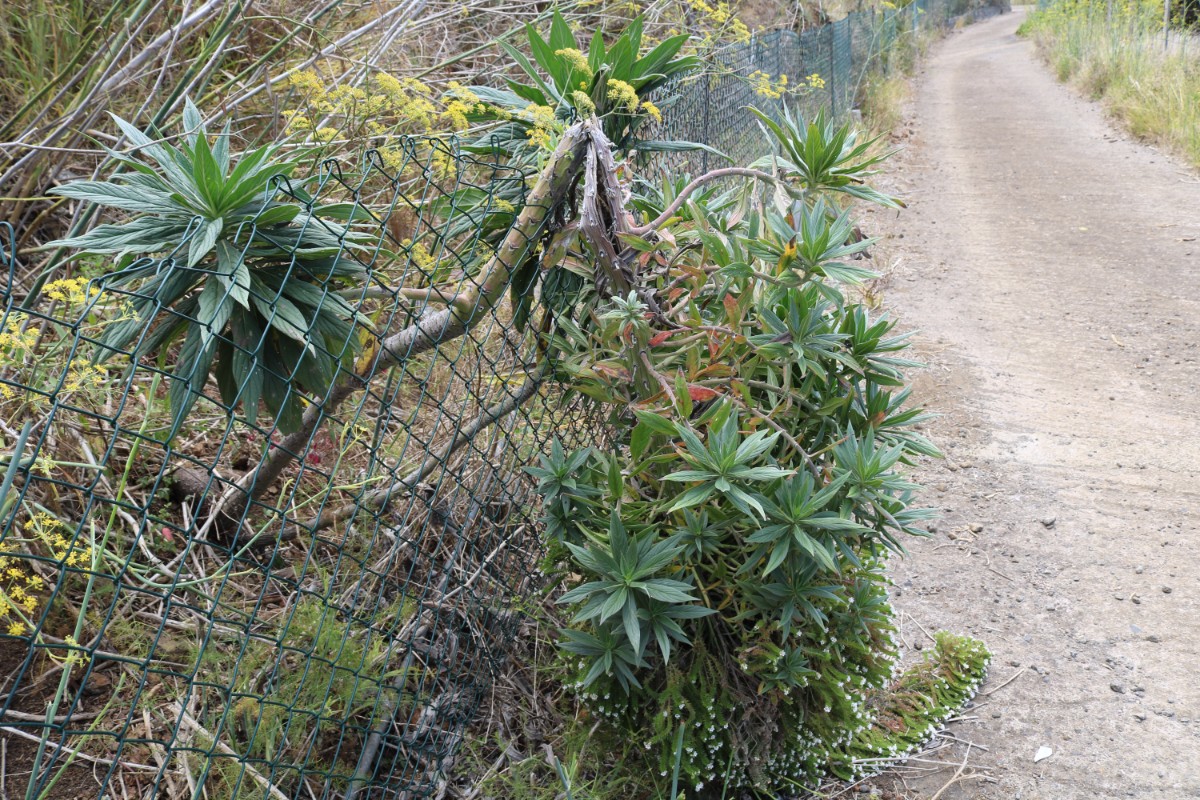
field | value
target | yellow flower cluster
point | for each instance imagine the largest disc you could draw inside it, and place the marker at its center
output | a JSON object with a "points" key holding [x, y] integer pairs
{"points": [[16, 342], [408, 100], [75, 652], [344, 111], [49, 530], [583, 102], [420, 256], [815, 81], [307, 82], [13, 338], [721, 17], [765, 87], [84, 376], [503, 206], [652, 110], [462, 102], [296, 121], [70, 290], [577, 60], [393, 158], [443, 165], [621, 93], [20, 585], [544, 124]]}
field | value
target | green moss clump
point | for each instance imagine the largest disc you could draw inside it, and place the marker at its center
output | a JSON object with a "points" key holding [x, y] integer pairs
{"points": [[908, 712]]}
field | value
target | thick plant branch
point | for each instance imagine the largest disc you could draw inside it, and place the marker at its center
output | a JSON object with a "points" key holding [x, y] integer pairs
{"points": [[708, 177], [428, 332]]}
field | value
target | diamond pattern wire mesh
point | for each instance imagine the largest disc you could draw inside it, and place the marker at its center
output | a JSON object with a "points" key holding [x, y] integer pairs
{"points": [[709, 108], [333, 636]]}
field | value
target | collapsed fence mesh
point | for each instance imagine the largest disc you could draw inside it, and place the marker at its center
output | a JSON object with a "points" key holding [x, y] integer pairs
{"points": [[311, 602]]}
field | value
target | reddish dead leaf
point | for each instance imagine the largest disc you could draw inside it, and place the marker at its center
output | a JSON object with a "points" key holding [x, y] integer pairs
{"points": [[660, 337], [731, 307], [714, 371], [701, 393], [611, 372]]}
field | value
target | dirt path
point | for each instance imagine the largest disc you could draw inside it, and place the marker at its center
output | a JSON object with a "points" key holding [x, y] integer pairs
{"points": [[1053, 267]]}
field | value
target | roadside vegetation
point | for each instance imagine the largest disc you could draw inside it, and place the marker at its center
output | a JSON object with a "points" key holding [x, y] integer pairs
{"points": [[243, 311], [885, 90], [1115, 52]]}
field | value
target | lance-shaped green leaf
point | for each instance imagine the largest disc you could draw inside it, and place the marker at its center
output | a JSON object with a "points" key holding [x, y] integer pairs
{"points": [[250, 282], [627, 571], [724, 465]]}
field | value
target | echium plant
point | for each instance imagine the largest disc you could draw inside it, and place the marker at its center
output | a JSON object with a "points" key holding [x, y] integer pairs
{"points": [[731, 553], [221, 256]]}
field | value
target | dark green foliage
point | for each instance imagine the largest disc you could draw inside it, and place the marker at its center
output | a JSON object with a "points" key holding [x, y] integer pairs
{"points": [[744, 526], [823, 156], [570, 87], [226, 259]]}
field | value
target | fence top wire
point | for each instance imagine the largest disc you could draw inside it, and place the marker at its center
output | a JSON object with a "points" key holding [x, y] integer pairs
{"points": [[298, 578]]}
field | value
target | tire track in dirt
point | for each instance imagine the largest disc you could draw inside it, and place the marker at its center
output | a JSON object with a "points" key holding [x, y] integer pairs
{"points": [[1053, 268]]}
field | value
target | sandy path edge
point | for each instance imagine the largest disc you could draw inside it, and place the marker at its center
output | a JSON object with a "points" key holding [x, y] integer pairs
{"points": [[1053, 268]]}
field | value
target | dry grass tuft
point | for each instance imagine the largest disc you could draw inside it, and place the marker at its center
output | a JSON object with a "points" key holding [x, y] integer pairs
{"points": [[1154, 91]]}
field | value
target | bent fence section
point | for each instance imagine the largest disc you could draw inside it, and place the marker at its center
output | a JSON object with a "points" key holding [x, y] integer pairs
{"points": [[310, 604]]}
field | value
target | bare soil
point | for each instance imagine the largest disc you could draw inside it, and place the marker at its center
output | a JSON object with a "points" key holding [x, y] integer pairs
{"points": [[1053, 268], [78, 781]]}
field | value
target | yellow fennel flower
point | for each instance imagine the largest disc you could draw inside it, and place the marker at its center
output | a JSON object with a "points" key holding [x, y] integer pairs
{"points": [[621, 93], [576, 59]]}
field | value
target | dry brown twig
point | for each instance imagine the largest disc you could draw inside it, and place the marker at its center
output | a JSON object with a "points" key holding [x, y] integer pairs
{"points": [[958, 775], [1012, 678]]}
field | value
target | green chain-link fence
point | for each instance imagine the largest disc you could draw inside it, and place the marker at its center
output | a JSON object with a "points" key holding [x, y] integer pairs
{"points": [[826, 68], [312, 603]]}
